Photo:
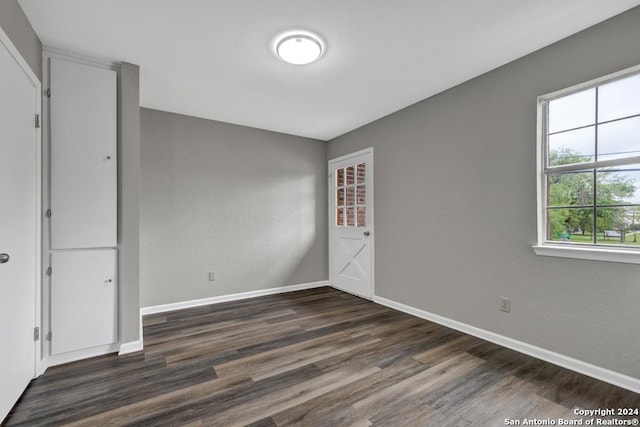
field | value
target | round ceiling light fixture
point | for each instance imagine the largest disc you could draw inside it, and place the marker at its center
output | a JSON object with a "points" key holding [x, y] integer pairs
{"points": [[299, 49]]}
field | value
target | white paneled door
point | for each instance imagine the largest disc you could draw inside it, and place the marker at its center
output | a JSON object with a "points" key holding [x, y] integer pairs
{"points": [[351, 232], [19, 235]]}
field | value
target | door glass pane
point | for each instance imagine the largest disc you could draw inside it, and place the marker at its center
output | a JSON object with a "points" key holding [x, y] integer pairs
{"points": [[572, 111], [339, 177], [362, 167], [351, 171], [350, 196], [339, 216], [361, 195], [619, 99], [576, 146], [570, 225], [351, 217], [620, 139], [362, 217], [340, 197]]}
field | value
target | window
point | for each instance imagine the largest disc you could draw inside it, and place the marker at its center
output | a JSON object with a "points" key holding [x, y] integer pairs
{"points": [[351, 196], [589, 170]]}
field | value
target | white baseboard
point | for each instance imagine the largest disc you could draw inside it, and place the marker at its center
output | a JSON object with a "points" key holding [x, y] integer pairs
{"points": [[606, 375], [231, 297], [130, 347], [41, 367], [134, 346]]}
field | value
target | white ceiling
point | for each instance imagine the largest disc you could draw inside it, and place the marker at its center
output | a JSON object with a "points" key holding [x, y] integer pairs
{"points": [[215, 59]]}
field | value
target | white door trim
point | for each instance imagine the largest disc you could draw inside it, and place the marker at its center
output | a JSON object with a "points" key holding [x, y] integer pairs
{"points": [[38, 363], [370, 204]]}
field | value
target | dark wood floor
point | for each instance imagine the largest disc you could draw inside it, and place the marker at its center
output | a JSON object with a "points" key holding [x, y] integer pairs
{"points": [[311, 358]]}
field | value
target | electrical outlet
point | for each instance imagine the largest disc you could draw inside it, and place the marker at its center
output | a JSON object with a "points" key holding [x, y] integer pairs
{"points": [[212, 276], [505, 304]]}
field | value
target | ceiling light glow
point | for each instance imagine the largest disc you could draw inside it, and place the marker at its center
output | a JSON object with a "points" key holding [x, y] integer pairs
{"points": [[299, 49]]}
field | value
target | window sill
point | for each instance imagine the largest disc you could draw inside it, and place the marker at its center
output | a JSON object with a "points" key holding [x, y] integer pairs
{"points": [[589, 253]]}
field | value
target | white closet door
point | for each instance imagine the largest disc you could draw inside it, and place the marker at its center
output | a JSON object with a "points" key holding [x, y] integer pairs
{"points": [[83, 300], [83, 156]]}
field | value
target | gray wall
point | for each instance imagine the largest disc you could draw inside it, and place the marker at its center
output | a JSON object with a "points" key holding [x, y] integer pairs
{"points": [[129, 203], [14, 22], [455, 194], [246, 203]]}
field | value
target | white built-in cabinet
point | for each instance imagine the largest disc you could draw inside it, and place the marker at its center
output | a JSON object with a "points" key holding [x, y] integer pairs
{"points": [[83, 134]]}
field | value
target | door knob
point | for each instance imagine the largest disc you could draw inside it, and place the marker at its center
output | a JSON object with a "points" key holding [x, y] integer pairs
{"points": [[4, 258], [366, 233]]}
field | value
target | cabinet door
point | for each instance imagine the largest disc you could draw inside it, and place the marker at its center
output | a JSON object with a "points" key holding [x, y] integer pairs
{"points": [[83, 118], [83, 300]]}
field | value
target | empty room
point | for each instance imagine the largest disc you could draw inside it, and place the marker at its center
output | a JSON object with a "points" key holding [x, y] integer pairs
{"points": [[319, 213]]}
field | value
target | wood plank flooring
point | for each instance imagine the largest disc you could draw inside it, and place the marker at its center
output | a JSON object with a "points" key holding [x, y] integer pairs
{"points": [[310, 358]]}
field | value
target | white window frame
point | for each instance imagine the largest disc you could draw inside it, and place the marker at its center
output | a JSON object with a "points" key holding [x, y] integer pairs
{"points": [[546, 247]]}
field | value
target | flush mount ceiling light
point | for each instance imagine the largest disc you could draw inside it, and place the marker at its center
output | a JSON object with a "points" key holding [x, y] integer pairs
{"points": [[299, 49]]}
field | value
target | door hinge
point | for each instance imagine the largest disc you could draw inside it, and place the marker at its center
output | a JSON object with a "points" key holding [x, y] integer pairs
{"points": [[37, 121], [48, 213], [36, 333], [48, 337], [48, 92], [49, 271]]}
